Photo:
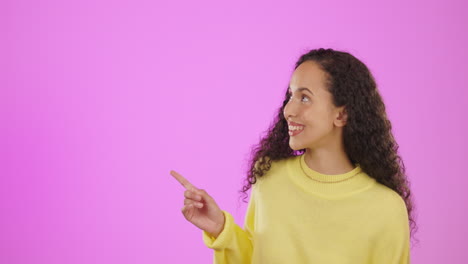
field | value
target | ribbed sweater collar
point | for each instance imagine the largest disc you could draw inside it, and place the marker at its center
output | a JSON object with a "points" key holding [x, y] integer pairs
{"points": [[328, 186]]}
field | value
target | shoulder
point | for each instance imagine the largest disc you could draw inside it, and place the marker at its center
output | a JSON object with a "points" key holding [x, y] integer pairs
{"points": [[391, 205], [274, 167], [274, 164]]}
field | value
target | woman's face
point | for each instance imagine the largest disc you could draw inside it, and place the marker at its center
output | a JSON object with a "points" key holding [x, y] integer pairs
{"points": [[311, 106]]}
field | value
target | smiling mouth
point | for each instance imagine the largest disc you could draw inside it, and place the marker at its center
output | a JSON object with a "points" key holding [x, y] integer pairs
{"points": [[295, 130]]}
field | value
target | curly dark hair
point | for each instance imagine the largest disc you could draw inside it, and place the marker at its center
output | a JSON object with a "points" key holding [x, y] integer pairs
{"points": [[368, 139]]}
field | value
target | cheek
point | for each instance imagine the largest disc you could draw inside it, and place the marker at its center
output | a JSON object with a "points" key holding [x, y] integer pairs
{"points": [[313, 118], [318, 121], [309, 116]]}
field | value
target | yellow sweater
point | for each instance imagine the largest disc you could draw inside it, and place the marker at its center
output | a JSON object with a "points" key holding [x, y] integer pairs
{"points": [[298, 215]]}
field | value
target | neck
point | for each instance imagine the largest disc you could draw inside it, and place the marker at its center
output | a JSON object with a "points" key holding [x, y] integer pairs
{"points": [[331, 160]]}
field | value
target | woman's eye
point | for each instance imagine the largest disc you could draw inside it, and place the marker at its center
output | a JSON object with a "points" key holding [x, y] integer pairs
{"points": [[302, 97]]}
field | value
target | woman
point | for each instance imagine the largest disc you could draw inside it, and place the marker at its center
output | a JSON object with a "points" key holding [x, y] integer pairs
{"points": [[327, 183]]}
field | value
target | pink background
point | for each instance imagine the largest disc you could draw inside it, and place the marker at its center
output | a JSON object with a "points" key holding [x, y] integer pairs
{"points": [[101, 99]]}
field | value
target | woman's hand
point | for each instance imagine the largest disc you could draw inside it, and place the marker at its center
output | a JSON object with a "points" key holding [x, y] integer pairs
{"points": [[200, 208]]}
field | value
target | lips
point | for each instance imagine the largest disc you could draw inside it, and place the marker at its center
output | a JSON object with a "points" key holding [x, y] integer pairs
{"points": [[294, 128], [295, 124]]}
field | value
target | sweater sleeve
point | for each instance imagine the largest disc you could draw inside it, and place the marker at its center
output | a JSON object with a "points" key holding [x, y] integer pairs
{"points": [[393, 246], [234, 244]]}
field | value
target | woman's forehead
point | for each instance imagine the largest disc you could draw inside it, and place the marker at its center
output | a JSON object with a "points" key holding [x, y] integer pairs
{"points": [[308, 75]]}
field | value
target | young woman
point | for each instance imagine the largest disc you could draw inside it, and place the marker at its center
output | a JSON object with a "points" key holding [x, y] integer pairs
{"points": [[328, 185]]}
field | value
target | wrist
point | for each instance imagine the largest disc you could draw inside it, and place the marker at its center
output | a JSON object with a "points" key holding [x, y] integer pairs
{"points": [[219, 228]]}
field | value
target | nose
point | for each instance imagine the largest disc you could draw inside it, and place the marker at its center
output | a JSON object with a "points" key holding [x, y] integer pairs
{"points": [[290, 109]]}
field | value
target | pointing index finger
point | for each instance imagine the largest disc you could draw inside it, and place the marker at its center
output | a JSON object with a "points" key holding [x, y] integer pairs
{"points": [[182, 180]]}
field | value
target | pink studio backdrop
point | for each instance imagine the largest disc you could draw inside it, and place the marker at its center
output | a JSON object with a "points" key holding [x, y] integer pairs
{"points": [[101, 99]]}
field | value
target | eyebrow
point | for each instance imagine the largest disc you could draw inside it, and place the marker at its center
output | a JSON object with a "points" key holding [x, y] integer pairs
{"points": [[302, 89]]}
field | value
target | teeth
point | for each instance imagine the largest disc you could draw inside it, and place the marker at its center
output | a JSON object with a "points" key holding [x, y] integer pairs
{"points": [[295, 127]]}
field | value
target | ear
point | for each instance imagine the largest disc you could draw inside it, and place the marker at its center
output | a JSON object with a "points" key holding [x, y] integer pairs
{"points": [[341, 117]]}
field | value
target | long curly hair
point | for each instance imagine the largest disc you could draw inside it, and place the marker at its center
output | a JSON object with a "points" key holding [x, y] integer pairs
{"points": [[368, 139]]}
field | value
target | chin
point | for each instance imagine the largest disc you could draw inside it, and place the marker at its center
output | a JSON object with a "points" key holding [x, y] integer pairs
{"points": [[296, 146]]}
